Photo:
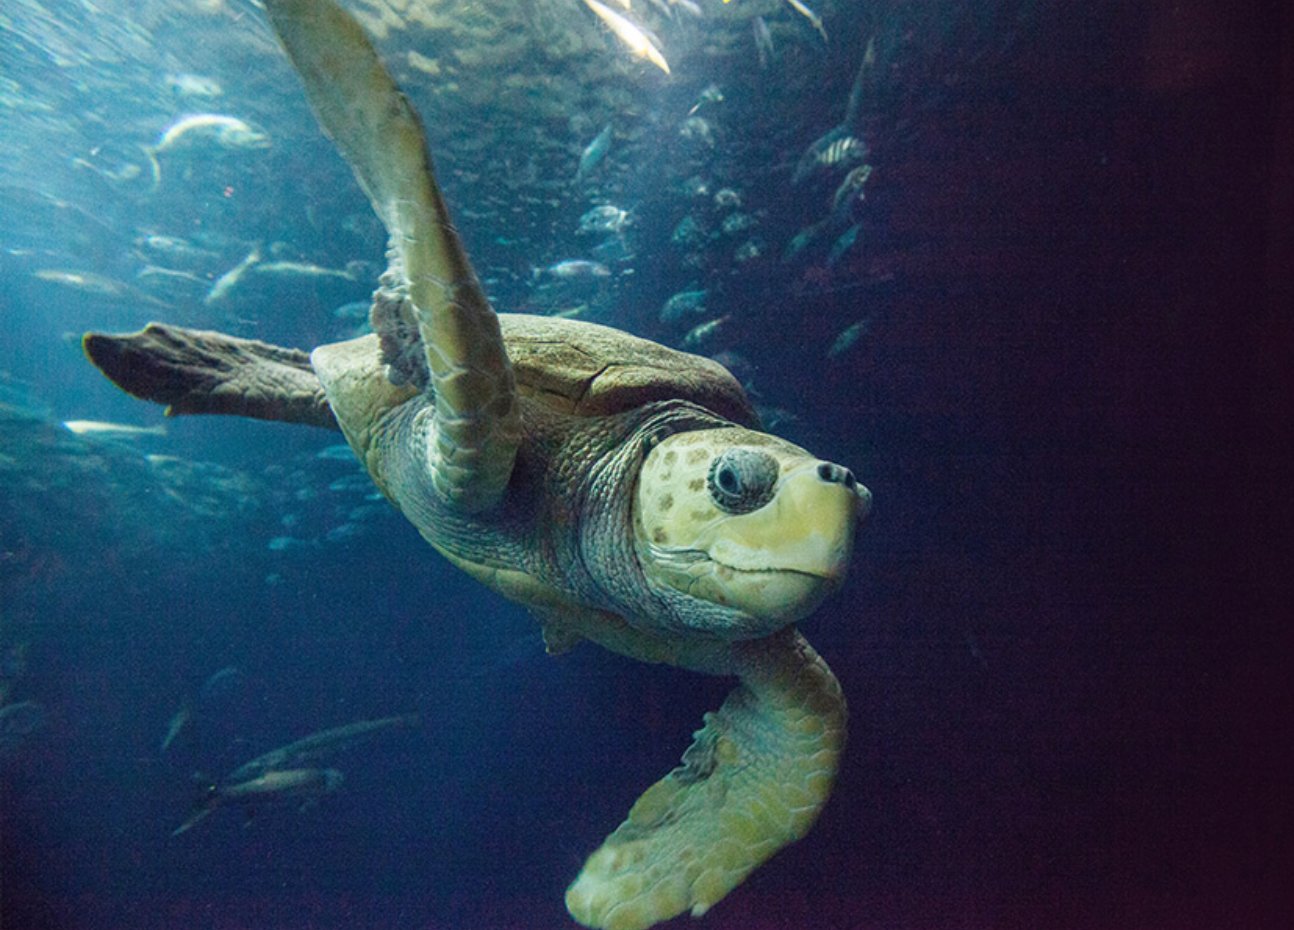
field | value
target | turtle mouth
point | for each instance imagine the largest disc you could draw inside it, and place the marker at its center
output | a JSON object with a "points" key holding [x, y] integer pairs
{"points": [[773, 594], [688, 561]]}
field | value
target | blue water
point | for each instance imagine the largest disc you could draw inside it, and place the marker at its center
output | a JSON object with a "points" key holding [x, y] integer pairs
{"points": [[1063, 386]]}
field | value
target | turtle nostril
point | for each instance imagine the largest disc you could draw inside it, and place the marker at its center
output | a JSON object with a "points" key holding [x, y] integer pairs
{"points": [[836, 474]]}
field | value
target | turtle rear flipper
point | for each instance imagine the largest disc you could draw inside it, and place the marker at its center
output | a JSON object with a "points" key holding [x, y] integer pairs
{"points": [[477, 425], [194, 371], [754, 780]]}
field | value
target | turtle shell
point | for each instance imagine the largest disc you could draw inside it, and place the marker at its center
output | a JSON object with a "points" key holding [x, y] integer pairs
{"points": [[590, 370]]}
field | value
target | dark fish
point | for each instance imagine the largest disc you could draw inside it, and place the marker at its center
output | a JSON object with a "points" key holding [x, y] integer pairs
{"points": [[843, 244], [850, 191], [318, 745], [282, 786], [842, 144], [848, 338]]}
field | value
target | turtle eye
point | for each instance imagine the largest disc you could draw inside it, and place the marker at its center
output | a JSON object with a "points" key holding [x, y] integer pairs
{"points": [[742, 480]]}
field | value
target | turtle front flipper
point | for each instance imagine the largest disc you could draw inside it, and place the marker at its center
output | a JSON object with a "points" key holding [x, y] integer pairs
{"points": [[754, 780], [477, 425]]}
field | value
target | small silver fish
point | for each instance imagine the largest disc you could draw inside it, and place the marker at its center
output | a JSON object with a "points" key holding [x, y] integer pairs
{"points": [[106, 430], [684, 303], [605, 218], [711, 94], [177, 723], [193, 85], [594, 152], [575, 269], [763, 41], [174, 248], [286, 786], [229, 280], [302, 270], [698, 335], [317, 745], [228, 132], [173, 275], [86, 281], [814, 19], [630, 33], [848, 338]]}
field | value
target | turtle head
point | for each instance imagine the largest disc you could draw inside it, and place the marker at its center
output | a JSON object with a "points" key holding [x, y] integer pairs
{"points": [[745, 521]]}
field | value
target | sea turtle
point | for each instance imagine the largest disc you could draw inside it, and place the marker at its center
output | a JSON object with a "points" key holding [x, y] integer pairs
{"points": [[619, 489]]}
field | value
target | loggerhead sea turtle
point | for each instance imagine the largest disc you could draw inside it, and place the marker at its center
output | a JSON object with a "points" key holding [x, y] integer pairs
{"points": [[619, 489]]}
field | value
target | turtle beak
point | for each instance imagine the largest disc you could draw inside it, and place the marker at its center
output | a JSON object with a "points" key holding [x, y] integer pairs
{"points": [[807, 528]]}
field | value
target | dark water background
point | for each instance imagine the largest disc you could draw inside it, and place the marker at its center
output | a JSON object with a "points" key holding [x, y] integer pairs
{"points": [[1060, 638]]}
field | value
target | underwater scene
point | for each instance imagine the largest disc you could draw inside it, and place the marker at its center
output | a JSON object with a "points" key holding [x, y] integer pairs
{"points": [[868, 509]]}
